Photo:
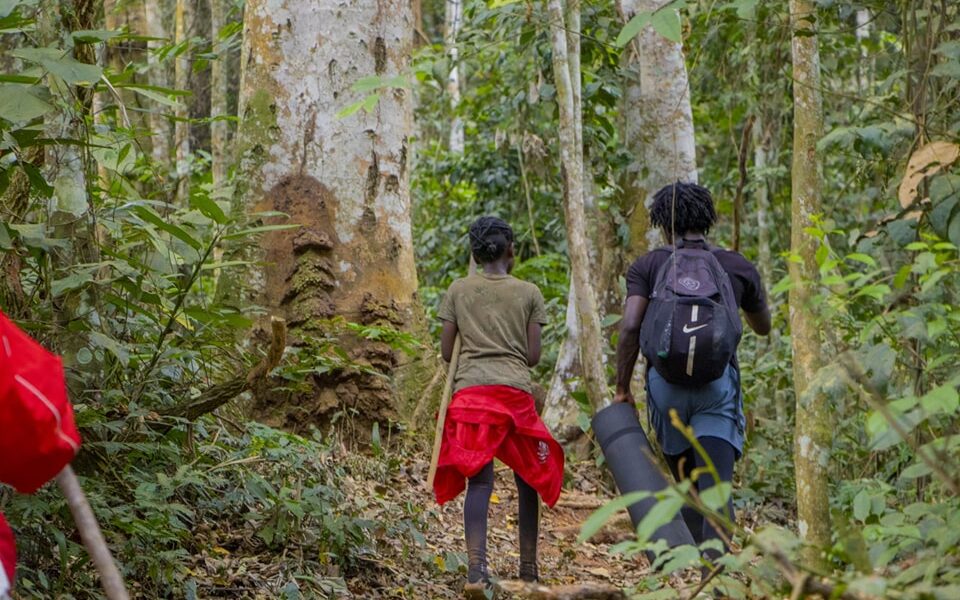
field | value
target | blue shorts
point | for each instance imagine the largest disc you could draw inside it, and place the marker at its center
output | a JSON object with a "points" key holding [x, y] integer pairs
{"points": [[713, 410]]}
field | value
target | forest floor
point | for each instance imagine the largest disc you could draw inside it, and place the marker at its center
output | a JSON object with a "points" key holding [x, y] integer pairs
{"points": [[439, 570]]}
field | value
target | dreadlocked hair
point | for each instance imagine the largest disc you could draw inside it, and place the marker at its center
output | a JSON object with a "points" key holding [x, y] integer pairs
{"points": [[489, 239], [683, 207]]}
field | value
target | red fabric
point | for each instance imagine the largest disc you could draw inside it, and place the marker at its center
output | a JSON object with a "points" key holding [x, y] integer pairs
{"points": [[8, 557], [488, 421], [39, 436]]}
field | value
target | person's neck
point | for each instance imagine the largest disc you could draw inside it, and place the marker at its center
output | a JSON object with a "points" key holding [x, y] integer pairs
{"points": [[691, 236], [498, 267]]}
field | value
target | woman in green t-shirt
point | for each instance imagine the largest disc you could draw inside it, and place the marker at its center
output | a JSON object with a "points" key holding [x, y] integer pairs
{"points": [[492, 414]]}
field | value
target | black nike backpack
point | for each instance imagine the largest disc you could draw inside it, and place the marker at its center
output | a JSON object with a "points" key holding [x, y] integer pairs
{"points": [[692, 327]]}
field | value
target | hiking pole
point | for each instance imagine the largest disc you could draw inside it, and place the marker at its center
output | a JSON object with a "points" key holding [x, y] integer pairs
{"points": [[445, 399], [110, 577]]}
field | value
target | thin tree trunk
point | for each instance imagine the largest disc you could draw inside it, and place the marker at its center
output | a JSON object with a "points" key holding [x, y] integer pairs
{"points": [[761, 139], [345, 180], [813, 425], [183, 21], [157, 75], [560, 408], [218, 95], [453, 18], [571, 156]]}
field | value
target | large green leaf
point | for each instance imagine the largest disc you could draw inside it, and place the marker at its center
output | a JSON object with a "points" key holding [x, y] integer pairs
{"points": [[603, 514], [60, 64], [147, 214], [661, 514], [632, 28], [666, 22], [19, 104]]}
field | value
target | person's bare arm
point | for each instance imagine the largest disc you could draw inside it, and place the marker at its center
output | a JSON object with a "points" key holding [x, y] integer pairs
{"points": [[759, 321], [628, 347], [447, 337], [533, 343]]}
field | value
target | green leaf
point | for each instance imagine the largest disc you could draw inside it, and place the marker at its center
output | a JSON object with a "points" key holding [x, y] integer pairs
{"points": [[5, 242], [70, 283], [209, 208], [678, 558], [84, 356], [715, 498], [661, 514], [609, 320], [18, 104], [632, 28], [666, 22], [861, 505], [153, 218], [599, 518], [157, 97], [941, 400], [863, 258], [92, 36], [63, 66], [111, 345], [915, 471], [262, 229], [366, 104]]}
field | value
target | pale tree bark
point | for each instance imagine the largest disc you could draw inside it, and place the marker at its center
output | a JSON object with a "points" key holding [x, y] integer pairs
{"points": [[658, 124], [453, 19], [658, 131], [761, 142], [560, 409], [344, 179], [218, 95], [181, 138], [813, 420], [571, 160], [157, 75]]}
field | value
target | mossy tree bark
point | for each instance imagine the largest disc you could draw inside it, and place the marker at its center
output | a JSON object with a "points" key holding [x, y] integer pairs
{"points": [[571, 159], [344, 179], [813, 422]]}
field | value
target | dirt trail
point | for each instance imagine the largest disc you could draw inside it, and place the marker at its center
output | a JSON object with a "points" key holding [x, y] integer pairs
{"points": [[562, 560]]}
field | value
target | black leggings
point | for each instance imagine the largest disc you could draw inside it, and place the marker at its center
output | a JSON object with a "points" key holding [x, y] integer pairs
{"points": [[723, 456], [475, 509]]}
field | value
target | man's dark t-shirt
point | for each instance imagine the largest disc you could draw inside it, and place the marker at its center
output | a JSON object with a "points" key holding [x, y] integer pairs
{"points": [[747, 287]]}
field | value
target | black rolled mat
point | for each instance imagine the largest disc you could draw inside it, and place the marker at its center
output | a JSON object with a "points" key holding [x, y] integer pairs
{"points": [[627, 453]]}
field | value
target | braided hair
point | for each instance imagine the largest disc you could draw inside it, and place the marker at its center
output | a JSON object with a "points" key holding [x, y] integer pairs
{"points": [[489, 239], [683, 207]]}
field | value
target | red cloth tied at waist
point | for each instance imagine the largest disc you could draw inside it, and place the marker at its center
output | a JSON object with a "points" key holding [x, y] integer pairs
{"points": [[497, 421]]}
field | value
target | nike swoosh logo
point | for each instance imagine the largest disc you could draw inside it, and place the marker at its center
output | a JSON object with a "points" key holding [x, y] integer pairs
{"points": [[688, 329]]}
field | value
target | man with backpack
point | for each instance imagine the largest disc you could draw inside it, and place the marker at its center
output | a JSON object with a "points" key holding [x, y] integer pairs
{"points": [[682, 312]]}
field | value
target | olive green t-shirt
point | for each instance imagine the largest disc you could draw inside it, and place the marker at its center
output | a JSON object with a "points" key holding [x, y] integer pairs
{"points": [[492, 313]]}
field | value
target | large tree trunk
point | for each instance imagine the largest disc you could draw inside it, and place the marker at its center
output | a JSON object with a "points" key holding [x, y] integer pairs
{"points": [[157, 75], [344, 179], [658, 124], [813, 428], [218, 95], [571, 158], [453, 18], [181, 138]]}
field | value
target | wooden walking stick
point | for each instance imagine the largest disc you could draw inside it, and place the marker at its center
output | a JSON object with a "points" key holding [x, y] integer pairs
{"points": [[445, 399], [110, 577]]}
